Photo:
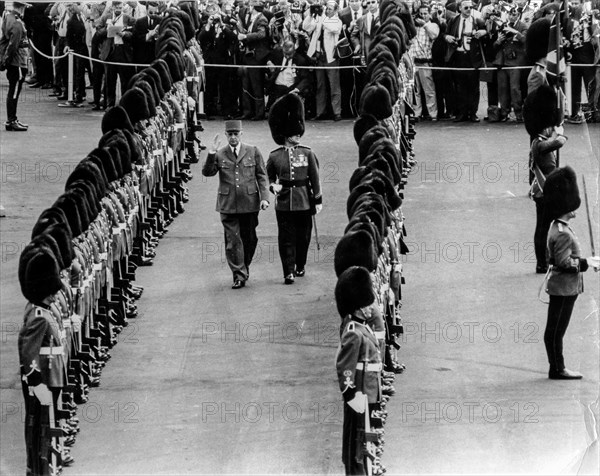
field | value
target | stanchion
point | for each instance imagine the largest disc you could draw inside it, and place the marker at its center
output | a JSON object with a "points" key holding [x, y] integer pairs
{"points": [[71, 73], [568, 97]]}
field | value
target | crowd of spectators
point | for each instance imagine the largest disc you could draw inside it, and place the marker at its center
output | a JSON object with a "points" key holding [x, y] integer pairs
{"points": [[317, 48]]}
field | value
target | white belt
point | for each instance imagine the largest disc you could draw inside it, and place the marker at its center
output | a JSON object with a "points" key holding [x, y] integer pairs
{"points": [[379, 334], [370, 367], [57, 350], [179, 126]]}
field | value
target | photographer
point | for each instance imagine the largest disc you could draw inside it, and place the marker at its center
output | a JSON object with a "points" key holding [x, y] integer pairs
{"points": [[253, 34], [285, 24], [510, 47], [218, 39], [325, 30], [366, 28], [420, 52], [444, 85], [464, 51]]}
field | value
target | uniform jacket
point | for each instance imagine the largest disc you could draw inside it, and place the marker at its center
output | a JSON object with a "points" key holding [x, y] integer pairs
{"points": [[41, 352], [243, 182], [14, 43], [542, 153], [299, 165], [358, 346], [564, 255], [475, 50]]}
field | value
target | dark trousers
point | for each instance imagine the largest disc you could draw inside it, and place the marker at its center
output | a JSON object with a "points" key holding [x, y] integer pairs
{"points": [[559, 315], [61, 79], [98, 83], [295, 229], [253, 96], [540, 236], [220, 89], [15, 76], [444, 92], [124, 74], [240, 241], [467, 85], [37, 433], [80, 65], [354, 461], [492, 90], [509, 89], [578, 73], [43, 65]]}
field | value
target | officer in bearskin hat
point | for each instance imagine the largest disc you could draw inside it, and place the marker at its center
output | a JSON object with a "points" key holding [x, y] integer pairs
{"points": [[561, 197], [293, 172]]}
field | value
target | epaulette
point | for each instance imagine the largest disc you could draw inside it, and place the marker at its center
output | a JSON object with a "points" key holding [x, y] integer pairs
{"points": [[278, 148], [560, 227], [304, 146], [351, 327]]}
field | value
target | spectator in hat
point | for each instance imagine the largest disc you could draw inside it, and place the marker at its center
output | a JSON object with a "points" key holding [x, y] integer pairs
{"points": [[243, 191], [565, 283], [293, 172]]}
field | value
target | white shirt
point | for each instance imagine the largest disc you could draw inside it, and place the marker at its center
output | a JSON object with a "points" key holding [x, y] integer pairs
{"points": [[288, 73], [235, 150], [468, 23]]}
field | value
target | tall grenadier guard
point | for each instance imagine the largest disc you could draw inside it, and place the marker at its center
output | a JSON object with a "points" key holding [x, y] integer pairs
{"points": [[243, 191], [358, 364], [42, 358], [293, 171], [14, 53], [565, 283]]}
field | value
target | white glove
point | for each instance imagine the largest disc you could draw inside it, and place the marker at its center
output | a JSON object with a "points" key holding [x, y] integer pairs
{"points": [[359, 402], [276, 188], [318, 208], [594, 262], [43, 394]]}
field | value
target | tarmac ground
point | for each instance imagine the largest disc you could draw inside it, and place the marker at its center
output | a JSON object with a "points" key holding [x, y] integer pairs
{"points": [[208, 380]]}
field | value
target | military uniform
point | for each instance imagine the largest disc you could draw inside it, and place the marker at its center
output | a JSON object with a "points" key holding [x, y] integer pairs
{"points": [[565, 282], [242, 186], [296, 169], [43, 361], [359, 368]]}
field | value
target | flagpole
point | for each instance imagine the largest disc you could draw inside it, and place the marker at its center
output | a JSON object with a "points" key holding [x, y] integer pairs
{"points": [[560, 77]]}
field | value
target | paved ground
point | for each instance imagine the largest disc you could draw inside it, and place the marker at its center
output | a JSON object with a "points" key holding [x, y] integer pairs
{"points": [[210, 380]]}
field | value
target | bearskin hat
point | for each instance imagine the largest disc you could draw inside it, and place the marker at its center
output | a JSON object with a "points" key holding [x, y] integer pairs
{"points": [[286, 118], [540, 110], [561, 193], [40, 276], [353, 290]]}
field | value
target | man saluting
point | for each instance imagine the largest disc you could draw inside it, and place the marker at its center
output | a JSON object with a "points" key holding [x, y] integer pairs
{"points": [[243, 191]]}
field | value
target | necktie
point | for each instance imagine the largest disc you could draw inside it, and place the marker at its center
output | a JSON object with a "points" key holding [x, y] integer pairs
{"points": [[355, 15], [235, 153]]}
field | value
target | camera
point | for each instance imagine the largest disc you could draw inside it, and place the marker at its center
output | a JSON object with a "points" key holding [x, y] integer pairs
{"points": [[316, 10]]}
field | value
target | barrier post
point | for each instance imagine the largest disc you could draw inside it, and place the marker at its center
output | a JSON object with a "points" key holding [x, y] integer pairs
{"points": [[71, 73], [568, 98]]}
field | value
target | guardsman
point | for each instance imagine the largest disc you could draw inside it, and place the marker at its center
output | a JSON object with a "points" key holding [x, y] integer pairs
{"points": [[565, 283], [42, 359], [293, 171], [14, 52], [358, 364], [243, 191]]}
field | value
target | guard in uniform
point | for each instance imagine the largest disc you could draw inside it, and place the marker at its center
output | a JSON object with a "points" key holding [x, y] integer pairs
{"points": [[42, 359], [293, 171], [243, 190], [561, 197], [358, 364]]}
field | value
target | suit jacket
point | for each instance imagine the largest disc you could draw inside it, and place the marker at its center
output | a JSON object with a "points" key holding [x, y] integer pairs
{"points": [[302, 80], [564, 255], [143, 50], [243, 181], [360, 35], [475, 51], [107, 47], [304, 167], [257, 40]]}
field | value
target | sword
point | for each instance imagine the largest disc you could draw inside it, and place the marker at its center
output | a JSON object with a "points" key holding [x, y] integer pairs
{"points": [[587, 210], [314, 219]]}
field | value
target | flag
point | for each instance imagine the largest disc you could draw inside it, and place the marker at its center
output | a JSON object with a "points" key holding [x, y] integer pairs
{"points": [[556, 65]]}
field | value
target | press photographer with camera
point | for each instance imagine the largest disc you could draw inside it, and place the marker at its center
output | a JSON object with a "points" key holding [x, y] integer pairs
{"points": [[325, 31], [420, 51], [253, 35], [366, 28], [443, 79], [218, 39], [510, 47], [463, 36]]}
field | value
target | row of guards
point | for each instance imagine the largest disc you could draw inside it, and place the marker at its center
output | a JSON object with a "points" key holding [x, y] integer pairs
{"points": [[368, 256], [78, 271]]}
